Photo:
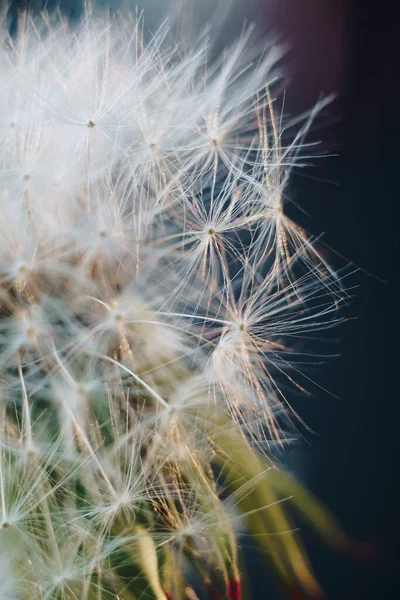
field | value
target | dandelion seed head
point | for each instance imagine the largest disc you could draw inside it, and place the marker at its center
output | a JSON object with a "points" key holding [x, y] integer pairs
{"points": [[152, 291]]}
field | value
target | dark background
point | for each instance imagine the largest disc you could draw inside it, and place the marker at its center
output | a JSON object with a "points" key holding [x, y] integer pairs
{"points": [[349, 47]]}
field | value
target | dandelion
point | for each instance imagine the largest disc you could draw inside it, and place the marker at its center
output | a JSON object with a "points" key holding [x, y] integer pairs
{"points": [[152, 296]]}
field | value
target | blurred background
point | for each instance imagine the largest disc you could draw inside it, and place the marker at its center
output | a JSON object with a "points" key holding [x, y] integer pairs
{"points": [[347, 47]]}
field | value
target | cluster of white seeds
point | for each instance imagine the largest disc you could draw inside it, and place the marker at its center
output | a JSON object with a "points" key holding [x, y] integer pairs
{"points": [[153, 294]]}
